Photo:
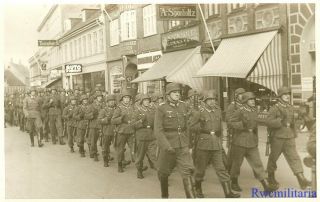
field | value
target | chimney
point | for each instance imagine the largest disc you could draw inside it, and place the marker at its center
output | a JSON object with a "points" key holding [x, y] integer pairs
{"points": [[86, 13]]}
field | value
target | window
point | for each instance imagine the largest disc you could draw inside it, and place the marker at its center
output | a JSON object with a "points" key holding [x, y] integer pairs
{"points": [[75, 49], [114, 32], [101, 42], [149, 20], [174, 23], [89, 45], [95, 43], [71, 51], [212, 9], [66, 59], [128, 25], [84, 41], [235, 6], [79, 48]]}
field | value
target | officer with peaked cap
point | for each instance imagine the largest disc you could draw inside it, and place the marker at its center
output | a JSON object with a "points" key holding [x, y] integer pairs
{"points": [[170, 130], [209, 144], [281, 124], [245, 143]]}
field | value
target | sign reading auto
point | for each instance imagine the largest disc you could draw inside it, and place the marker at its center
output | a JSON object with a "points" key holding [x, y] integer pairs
{"points": [[177, 12], [73, 68]]}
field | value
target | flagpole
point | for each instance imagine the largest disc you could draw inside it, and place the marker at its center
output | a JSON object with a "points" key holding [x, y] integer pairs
{"points": [[206, 26]]}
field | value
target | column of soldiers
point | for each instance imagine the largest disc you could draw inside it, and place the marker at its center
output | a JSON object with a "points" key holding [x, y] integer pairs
{"points": [[167, 131]]}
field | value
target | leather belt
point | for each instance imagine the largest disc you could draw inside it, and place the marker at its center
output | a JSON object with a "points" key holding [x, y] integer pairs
{"points": [[174, 130]]}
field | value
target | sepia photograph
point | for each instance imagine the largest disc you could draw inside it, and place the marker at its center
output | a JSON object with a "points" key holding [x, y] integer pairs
{"points": [[152, 100]]}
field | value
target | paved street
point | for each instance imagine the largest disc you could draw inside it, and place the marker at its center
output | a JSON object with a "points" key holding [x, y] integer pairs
{"points": [[53, 172]]}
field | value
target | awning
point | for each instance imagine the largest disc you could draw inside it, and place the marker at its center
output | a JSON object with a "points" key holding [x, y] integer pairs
{"points": [[178, 66], [50, 83], [256, 57]]}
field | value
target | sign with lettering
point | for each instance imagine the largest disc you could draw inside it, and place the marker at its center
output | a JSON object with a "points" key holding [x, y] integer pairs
{"points": [[48, 43], [129, 47], [180, 39], [177, 11], [73, 68]]}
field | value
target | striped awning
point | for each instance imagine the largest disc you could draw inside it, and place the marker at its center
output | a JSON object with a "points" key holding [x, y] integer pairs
{"points": [[178, 66], [268, 70], [256, 57]]}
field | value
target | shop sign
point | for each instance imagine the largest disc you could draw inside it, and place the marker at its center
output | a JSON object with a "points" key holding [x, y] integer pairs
{"points": [[177, 11], [129, 47], [180, 39], [48, 43], [73, 68], [55, 74], [146, 60]]}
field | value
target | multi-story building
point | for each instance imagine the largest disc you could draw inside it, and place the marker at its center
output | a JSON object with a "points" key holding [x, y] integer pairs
{"points": [[84, 52], [49, 58]]}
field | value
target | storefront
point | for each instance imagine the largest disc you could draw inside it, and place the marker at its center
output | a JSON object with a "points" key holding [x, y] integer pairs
{"points": [[115, 75]]}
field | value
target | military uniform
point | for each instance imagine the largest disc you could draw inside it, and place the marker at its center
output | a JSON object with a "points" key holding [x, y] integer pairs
{"points": [[9, 108], [245, 143], [70, 122], [124, 118], [31, 109], [208, 145], [231, 109], [53, 104], [281, 124], [45, 117], [170, 130], [104, 118], [94, 125], [146, 143]]}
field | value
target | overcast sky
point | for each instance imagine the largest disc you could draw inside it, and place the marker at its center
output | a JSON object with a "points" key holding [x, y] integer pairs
{"points": [[20, 30]]}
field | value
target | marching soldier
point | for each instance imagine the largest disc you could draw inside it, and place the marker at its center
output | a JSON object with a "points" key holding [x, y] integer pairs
{"points": [[146, 143], [82, 124], [31, 109], [94, 125], [124, 118], [9, 106], [20, 112], [233, 106], [45, 115], [53, 103], [70, 121], [170, 130], [157, 99], [245, 143], [208, 144], [104, 118], [281, 124]]}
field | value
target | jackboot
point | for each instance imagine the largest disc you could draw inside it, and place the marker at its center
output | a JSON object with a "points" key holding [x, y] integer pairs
{"points": [[144, 168], [61, 141], [227, 190], [31, 139], [95, 157], [105, 161], [139, 174], [266, 186], [81, 149], [71, 150], [198, 189], [125, 163], [272, 180], [189, 187], [164, 186], [303, 182], [120, 168], [234, 184]]}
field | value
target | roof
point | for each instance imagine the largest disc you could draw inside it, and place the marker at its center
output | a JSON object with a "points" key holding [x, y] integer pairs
{"points": [[11, 79], [82, 24], [18, 71], [50, 12]]}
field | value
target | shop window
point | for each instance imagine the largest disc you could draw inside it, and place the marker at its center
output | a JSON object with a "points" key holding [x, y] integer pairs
{"points": [[215, 29], [114, 32], [77, 80], [149, 20], [296, 95], [66, 53], [267, 18], [98, 78], [128, 25], [236, 7]]}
